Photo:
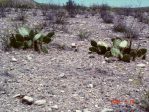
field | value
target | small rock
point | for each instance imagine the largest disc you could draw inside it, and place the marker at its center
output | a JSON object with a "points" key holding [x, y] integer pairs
{"points": [[96, 106], [62, 75], [91, 56], [90, 86], [78, 111], [130, 80], [13, 59], [86, 110], [49, 109], [19, 96], [73, 45], [62, 91], [107, 59], [55, 107], [141, 65], [29, 57], [107, 110], [40, 102], [103, 62], [27, 100]]}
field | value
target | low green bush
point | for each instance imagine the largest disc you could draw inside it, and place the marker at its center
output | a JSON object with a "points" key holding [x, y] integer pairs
{"points": [[26, 38], [122, 49]]}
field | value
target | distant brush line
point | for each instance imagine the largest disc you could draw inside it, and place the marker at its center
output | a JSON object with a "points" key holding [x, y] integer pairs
{"points": [[113, 3]]}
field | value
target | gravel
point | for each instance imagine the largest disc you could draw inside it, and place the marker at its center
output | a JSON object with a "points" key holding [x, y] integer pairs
{"points": [[68, 80]]}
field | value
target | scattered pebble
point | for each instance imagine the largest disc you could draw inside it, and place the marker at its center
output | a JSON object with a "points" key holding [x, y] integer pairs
{"points": [[86, 110], [103, 62], [73, 45], [90, 86], [19, 96], [29, 57], [13, 59], [141, 65], [62, 75], [27, 100], [96, 106], [62, 91], [78, 111], [107, 110], [49, 109], [40, 102], [55, 107], [130, 80]]}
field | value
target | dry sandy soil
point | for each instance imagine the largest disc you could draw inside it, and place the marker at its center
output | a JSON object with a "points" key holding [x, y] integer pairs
{"points": [[67, 79]]}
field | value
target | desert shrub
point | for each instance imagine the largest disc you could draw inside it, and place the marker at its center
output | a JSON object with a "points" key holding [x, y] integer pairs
{"points": [[125, 11], [94, 9], [26, 38], [5, 43], [121, 49], [21, 16], [106, 16], [44, 12], [40, 26], [143, 18], [105, 13], [80, 9], [105, 7], [49, 6], [50, 16], [83, 35], [119, 27], [60, 17], [131, 33], [35, 12], [71, 8], [2, 12]]}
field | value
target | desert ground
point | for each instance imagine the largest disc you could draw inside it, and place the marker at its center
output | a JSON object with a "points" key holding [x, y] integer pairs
{"points": [[69, 79]]}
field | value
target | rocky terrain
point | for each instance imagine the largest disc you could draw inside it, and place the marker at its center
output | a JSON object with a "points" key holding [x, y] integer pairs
{"points": [[69, 79]]}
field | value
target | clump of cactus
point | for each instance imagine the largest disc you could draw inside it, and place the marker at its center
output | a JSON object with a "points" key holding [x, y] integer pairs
{"points": [[121, 49], [26, 38]]}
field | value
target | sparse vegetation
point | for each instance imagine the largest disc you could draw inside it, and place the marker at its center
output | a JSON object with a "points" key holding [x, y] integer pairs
{"points": [[2, 11], [21, 16], [121, 49], [131, 33], [26, 38], [84, 35], [105, 13], [71, 8], [60, 17], [68, 62], [107, 17], [5, 43], [125, 11], [143, 17], [120, 27], [50, 16]]}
